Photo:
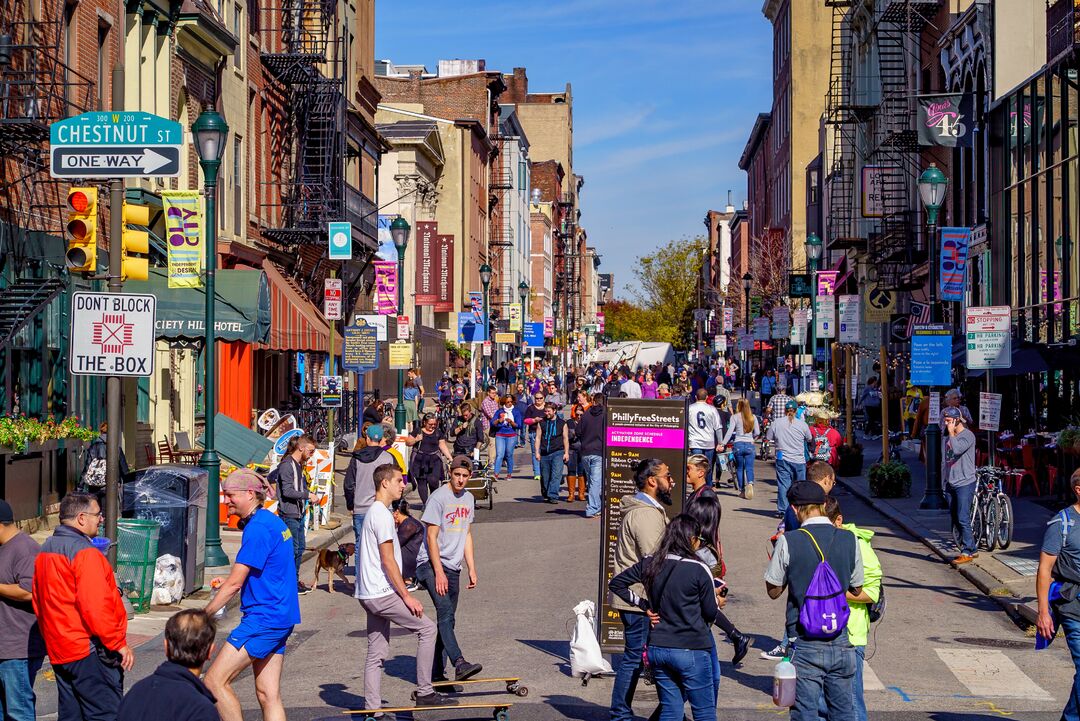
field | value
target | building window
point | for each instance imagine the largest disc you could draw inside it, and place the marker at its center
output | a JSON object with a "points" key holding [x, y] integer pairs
{"points": [[102, 64], [222, 188], [238, 185], [241, 47]]}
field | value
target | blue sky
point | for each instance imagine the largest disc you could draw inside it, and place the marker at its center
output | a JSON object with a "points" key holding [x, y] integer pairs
{"points": [[665, 95]]}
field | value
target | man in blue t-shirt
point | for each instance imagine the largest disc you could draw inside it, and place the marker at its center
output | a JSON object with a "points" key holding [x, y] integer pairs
{"points": [[265, 577]]}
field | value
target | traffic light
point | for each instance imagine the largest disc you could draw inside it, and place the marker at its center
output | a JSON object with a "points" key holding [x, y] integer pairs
{"points": [[81, 256], [135, 241]]}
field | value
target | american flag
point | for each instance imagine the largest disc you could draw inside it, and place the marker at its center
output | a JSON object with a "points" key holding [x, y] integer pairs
{"points": [[920, 315]]}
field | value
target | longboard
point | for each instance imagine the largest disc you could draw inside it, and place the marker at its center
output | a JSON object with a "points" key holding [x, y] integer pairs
{"points": [[513, 684], [500, 711]]}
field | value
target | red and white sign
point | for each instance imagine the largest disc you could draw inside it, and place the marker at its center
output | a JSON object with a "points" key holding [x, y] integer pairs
{"points": [[112, 334], [600, 323], [487, 349], [989, 336], [403, 327], [332, 299]]}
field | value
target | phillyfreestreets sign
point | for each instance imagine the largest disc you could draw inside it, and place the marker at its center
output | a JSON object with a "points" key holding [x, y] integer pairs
{"points": [[115, 144], [112, 334]]}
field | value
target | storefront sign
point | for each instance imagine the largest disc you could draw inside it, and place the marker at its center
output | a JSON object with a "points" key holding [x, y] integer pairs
{"points": [[332, 298], [825, 316], [989, 411], [183, 233], [549, 327], [509, 338], [534, 335], [360, 349], [946, 120], [989, 337], [781, 322], [873, 189], [826, 282], [515, 317], [444, 273], [339, 239], [427, 274], [954, 254], [636, 430], [931, 355], [729, 319], [879, 304], [850, 322], [401, 355], [378, 321], [403, 327], [761, 329], [386, 287], [330, 390]]}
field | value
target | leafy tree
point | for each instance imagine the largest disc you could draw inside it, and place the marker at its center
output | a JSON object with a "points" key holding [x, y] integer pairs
{"points": [[625, 321]]}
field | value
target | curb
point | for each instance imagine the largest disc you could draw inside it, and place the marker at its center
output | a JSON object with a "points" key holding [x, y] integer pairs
{"points": [[1017, 609]]}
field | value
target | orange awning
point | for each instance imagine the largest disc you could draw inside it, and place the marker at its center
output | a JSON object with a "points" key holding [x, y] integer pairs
{"points": [[296, 324]]}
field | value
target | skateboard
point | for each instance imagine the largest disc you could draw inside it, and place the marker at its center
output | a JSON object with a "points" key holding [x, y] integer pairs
{"points": [[513, 684], [499, 711]]}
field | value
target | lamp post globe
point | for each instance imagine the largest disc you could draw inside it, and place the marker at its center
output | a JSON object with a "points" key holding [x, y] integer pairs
{"points": [[932, 187], [399, 232]]}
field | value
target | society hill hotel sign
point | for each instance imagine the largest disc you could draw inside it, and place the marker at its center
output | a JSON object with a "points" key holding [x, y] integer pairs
{"points": [[434, 267]]}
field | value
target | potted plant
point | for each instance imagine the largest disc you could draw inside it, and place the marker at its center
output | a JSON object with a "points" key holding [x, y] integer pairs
{"points": [[890, 480], [18, 435], [1068, 439], [849, 459]]}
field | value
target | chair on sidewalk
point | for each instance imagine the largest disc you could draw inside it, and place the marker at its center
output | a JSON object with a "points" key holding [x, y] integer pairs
{"points": [[1028, 470], [148, 449], [165, 452]]}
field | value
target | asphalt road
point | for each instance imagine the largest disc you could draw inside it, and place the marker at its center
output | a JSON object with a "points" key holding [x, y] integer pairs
{"points": [[943, 651]]}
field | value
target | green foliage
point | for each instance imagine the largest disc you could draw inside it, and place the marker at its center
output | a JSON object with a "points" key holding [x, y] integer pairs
{"points": [[16, 433], [890, 480], [1068, 439], [458, 351]]}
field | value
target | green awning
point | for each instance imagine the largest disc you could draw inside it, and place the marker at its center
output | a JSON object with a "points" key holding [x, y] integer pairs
{"points": [[238, 444], [242, 310]]}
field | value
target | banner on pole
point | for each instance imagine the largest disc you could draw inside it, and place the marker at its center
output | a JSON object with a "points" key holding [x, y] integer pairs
{"points": [[427, 283], [729, 319], [954, 254], [386, 285], [515, 318], [947, 120], [549, 327], [183, 234]]}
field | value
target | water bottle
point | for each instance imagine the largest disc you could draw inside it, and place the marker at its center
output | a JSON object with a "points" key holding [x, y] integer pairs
{"points": [[783, 684], [214, 586]]}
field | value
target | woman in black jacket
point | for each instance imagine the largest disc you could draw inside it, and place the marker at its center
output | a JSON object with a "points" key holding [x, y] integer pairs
{"points": [[681, 592]]}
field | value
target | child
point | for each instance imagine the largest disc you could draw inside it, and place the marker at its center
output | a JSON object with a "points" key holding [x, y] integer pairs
{"points": [[410, 534]]}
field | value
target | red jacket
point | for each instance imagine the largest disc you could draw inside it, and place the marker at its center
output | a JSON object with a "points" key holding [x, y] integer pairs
{"points": [[75, 598]]}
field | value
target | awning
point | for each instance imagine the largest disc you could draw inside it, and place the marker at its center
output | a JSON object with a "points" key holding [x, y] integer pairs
{"points": [[241, 309], [238, 444], [298, 325]]}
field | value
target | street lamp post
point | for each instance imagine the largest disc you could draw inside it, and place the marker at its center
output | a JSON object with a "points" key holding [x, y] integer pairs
{"points": [[555, 331], [813, 249], [211, 133], [485, 280], [932, 187], [523, 293], [399, 231], [747, 281]]}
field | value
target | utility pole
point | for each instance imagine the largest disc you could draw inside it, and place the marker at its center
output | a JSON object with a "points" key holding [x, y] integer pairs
{"points": [[113, 415]]}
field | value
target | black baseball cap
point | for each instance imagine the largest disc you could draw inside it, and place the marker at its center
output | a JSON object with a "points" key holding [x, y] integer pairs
{"points": [[6, 514], [461, 462], [806, 493]]}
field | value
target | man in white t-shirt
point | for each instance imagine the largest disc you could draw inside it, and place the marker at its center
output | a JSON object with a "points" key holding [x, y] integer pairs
{"points": [[629, 386], [382, 593], [704, 429], [448, 517]]}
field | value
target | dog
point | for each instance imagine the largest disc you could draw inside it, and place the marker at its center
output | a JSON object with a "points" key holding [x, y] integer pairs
{"points": [[333, 562]]}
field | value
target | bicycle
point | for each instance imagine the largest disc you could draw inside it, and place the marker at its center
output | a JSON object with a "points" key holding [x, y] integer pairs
{"points": [[992, 517], [895, 439]]}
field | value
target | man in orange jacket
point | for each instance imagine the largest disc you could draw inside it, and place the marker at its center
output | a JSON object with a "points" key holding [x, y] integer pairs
{"points": [[84, 626]]}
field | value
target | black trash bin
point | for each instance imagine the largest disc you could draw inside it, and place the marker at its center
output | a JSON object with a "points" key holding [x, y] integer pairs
{"points": [[175, 497]]}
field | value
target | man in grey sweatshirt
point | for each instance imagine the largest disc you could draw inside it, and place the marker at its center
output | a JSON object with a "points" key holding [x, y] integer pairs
{"points": [[958, 470], [790, 435], [359, 485]]}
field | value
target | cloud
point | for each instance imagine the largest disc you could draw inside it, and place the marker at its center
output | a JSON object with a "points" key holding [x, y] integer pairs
{"points": [[596, 130], [619, 160]]}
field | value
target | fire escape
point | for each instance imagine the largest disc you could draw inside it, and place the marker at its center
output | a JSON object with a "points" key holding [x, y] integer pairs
{"points": [[501, 240], [36, 88], [570, 264], [306, 57]]}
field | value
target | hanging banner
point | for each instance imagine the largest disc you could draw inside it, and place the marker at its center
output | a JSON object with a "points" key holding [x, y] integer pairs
{"points": [[386, 286], [600, 323], [427, 285], [549, 327], [826, 282], [729, 319], [781, 322], [825, 317], [469, 330], [954, 254], [183, 233], [879, 304], [515, 318], [849, 319], [947, 120], [444, 273], [476, 305], [755, 305]]}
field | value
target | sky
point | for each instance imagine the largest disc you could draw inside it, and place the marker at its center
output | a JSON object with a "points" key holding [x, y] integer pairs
{"points": [[665, 95]]}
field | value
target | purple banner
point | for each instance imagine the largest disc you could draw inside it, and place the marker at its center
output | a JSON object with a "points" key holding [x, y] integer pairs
{"points": [[953, 269], [386, 287]]}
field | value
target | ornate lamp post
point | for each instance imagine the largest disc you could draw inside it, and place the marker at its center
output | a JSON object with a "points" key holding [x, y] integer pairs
{"points": [[747, 281], [399, 231], [813, 249], [485, 280]]}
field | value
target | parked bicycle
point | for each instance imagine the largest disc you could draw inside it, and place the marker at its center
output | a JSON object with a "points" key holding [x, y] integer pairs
{"points": [[991, 511], [895, 439]]}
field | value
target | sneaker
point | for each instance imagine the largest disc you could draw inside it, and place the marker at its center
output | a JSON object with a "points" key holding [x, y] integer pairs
{"points": [[412, 586], [962, 559], [302, 589], [779, 653], [551, 500], [435, 699], [748, 492], [536, 478], [465, 670]]}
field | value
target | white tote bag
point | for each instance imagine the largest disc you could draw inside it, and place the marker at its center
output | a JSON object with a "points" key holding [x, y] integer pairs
{"points": [[586, 658]]}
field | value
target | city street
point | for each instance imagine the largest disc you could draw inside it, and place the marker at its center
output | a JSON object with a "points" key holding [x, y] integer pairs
{"points": [[943, 651]]}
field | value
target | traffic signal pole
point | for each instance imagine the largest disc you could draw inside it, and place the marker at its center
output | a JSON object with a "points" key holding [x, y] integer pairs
{"points": [[112, 383]]}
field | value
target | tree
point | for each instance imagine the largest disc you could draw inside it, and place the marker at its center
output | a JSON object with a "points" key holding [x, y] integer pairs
{"points": [[625, 321], [667, 280]]}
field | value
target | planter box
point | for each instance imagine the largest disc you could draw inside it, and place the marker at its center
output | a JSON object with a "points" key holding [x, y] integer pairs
{"points": [[35, 479], [850, 465]]}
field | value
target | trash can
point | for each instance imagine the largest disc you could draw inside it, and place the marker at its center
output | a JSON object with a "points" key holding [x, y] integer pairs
{"points": [[136, 557], [175, 497]]}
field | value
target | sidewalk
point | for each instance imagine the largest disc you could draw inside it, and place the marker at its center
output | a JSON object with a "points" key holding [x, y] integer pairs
{"points": [[1006, 576]]}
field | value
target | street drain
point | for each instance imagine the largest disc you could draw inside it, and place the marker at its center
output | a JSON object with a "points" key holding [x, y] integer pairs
{"points": [[995, 643]]}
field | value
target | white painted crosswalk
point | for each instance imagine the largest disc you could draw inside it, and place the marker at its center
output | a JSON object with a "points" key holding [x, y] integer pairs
{"points": [[986, 673]]}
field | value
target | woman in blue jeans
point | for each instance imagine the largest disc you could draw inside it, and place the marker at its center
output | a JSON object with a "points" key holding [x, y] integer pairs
{"points": [[506, 422], [742, 431], [682, 595]]}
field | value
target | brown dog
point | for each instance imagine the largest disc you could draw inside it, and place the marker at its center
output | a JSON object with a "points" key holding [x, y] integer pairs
{"points": [[333, 562]]}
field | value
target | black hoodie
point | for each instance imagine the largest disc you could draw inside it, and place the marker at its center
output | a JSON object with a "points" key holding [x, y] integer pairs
{"points": [[359, 486], [590, 431], [172, 692]]}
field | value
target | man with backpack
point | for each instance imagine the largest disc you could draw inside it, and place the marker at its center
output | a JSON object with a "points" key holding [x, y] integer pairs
{"points": [[810, 563], [791, 436], [293, 495]]}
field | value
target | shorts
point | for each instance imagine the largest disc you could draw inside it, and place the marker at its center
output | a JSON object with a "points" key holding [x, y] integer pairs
{"points": [[257, 640]]}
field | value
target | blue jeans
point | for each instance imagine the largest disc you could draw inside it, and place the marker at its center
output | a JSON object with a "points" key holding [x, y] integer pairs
{"points": [[592, 467], [683, 675], [709, 453], [960, 500], [551, 472], [357, 524], [1072, 638], [635, 631], [743, 455], [532, 455], [824, 668], [17, 685], [857, 700], [786, 474], [504, 448], [296, 528], [446, 645]]}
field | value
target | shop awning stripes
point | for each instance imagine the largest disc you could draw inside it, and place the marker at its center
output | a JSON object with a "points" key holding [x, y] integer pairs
{"points": [[297, 324]]}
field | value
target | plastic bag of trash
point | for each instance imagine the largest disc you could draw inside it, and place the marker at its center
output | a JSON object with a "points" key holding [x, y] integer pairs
{"points": [[168, 581], [585, 656]]}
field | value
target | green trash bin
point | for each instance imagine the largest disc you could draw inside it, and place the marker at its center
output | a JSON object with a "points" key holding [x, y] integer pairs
{"points": [[136, 558]]}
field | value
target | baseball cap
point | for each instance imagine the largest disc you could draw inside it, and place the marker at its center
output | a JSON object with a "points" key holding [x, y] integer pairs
{"points": [[245, 479], [461, 462], [806, 493], [375, 432], [6, 514], [953, 413], [791, 406]]}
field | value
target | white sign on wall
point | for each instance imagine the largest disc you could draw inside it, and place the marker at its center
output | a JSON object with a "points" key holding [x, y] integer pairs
{"points": [[112, 334], [850, 319], [825, 316]]}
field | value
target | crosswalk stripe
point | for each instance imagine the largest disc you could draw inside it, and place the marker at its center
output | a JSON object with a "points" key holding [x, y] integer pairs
{"points": [[990, 673], [870, 680]]}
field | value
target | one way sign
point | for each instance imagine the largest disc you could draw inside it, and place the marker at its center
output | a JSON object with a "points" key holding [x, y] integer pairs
{"points": [[114, 162]]}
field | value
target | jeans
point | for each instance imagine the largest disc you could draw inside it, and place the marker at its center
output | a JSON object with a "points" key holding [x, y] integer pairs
{"points": [[532, 455], [17, 684], [960, 500], [551, 472], [709, 453], [824, 668], [88, 690], [592, 467], [446, 645], [635, 631], [504, 449], [1072, 638], [296, 528], [743, 454], [357, 526], [858, 703], [786, 474], [683, 675]]}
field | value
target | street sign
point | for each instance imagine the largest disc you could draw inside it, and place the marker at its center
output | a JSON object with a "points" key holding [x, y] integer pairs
{"points": [[115, 144], [112, 334], [534, 335], [340, 238], [825, 316], [761, 328], [781, 322], [403, 327], [470, 330], [360, 352], [700, 315], [487, 349], [799, 285], [849, 319], [755, 305], [332, 298], [989, 337], [931, 355]]}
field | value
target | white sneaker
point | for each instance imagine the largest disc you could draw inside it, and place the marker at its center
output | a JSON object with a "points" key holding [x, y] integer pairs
{"points": [[778, 653], [748, 491]]}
